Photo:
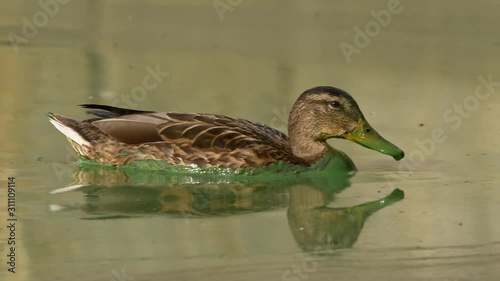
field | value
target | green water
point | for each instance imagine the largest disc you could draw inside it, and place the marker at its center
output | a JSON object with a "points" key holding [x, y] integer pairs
{"points": [[279, 169], [421, 82]]}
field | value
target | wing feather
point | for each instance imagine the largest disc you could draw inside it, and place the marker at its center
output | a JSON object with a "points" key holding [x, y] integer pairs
{"points": [[202, 139], [209, 131]]}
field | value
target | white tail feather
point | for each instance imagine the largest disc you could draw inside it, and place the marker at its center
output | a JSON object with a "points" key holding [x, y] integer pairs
{"points": [[70, 133], [57, 207], [66, 189]]}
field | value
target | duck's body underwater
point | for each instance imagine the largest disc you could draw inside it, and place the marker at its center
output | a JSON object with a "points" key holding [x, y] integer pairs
{"points": [[118, 136]]}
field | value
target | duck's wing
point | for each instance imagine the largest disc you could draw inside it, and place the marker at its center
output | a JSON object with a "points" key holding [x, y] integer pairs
{"points": [[206, 131], [201, 130], [209, 136], [132, 129], [226, 139], [129, 125]]}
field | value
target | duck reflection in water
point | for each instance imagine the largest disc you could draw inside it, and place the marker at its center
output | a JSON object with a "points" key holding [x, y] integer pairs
{"points": [[118, 193]]}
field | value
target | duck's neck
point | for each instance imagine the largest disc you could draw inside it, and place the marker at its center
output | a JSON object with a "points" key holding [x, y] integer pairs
{"points": [[309, 151], [305, 147], [303, 134]]}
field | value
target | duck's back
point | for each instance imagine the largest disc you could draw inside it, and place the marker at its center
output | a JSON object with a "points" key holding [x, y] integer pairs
{"points": [[205, 140]]}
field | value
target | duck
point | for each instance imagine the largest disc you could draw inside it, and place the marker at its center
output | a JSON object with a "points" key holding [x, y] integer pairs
{"points": [[117, 136]]}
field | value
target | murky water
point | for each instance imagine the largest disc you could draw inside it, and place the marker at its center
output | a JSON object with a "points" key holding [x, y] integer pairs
{"points": [[420, 77]]}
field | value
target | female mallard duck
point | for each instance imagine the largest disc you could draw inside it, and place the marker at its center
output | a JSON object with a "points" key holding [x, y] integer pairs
{"points": [[118, 136]]}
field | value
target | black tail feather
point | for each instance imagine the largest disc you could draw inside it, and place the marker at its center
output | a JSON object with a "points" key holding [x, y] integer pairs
{"points": [[106, 111]]}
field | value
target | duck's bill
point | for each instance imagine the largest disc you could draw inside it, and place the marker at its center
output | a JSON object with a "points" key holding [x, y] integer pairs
{"points": [[366, 136]]}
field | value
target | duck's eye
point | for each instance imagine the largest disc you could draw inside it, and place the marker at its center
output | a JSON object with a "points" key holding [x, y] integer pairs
{"points": [[335, 104]]}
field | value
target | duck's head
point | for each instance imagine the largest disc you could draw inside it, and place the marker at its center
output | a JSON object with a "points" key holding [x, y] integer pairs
{"points": [[321, 113]]}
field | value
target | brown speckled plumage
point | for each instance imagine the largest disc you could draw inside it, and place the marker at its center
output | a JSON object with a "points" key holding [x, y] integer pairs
{"points": [[205, 140], [118, 136]]}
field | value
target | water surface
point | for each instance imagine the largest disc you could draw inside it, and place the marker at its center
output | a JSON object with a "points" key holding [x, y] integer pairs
{"points": [[415, 82]]}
